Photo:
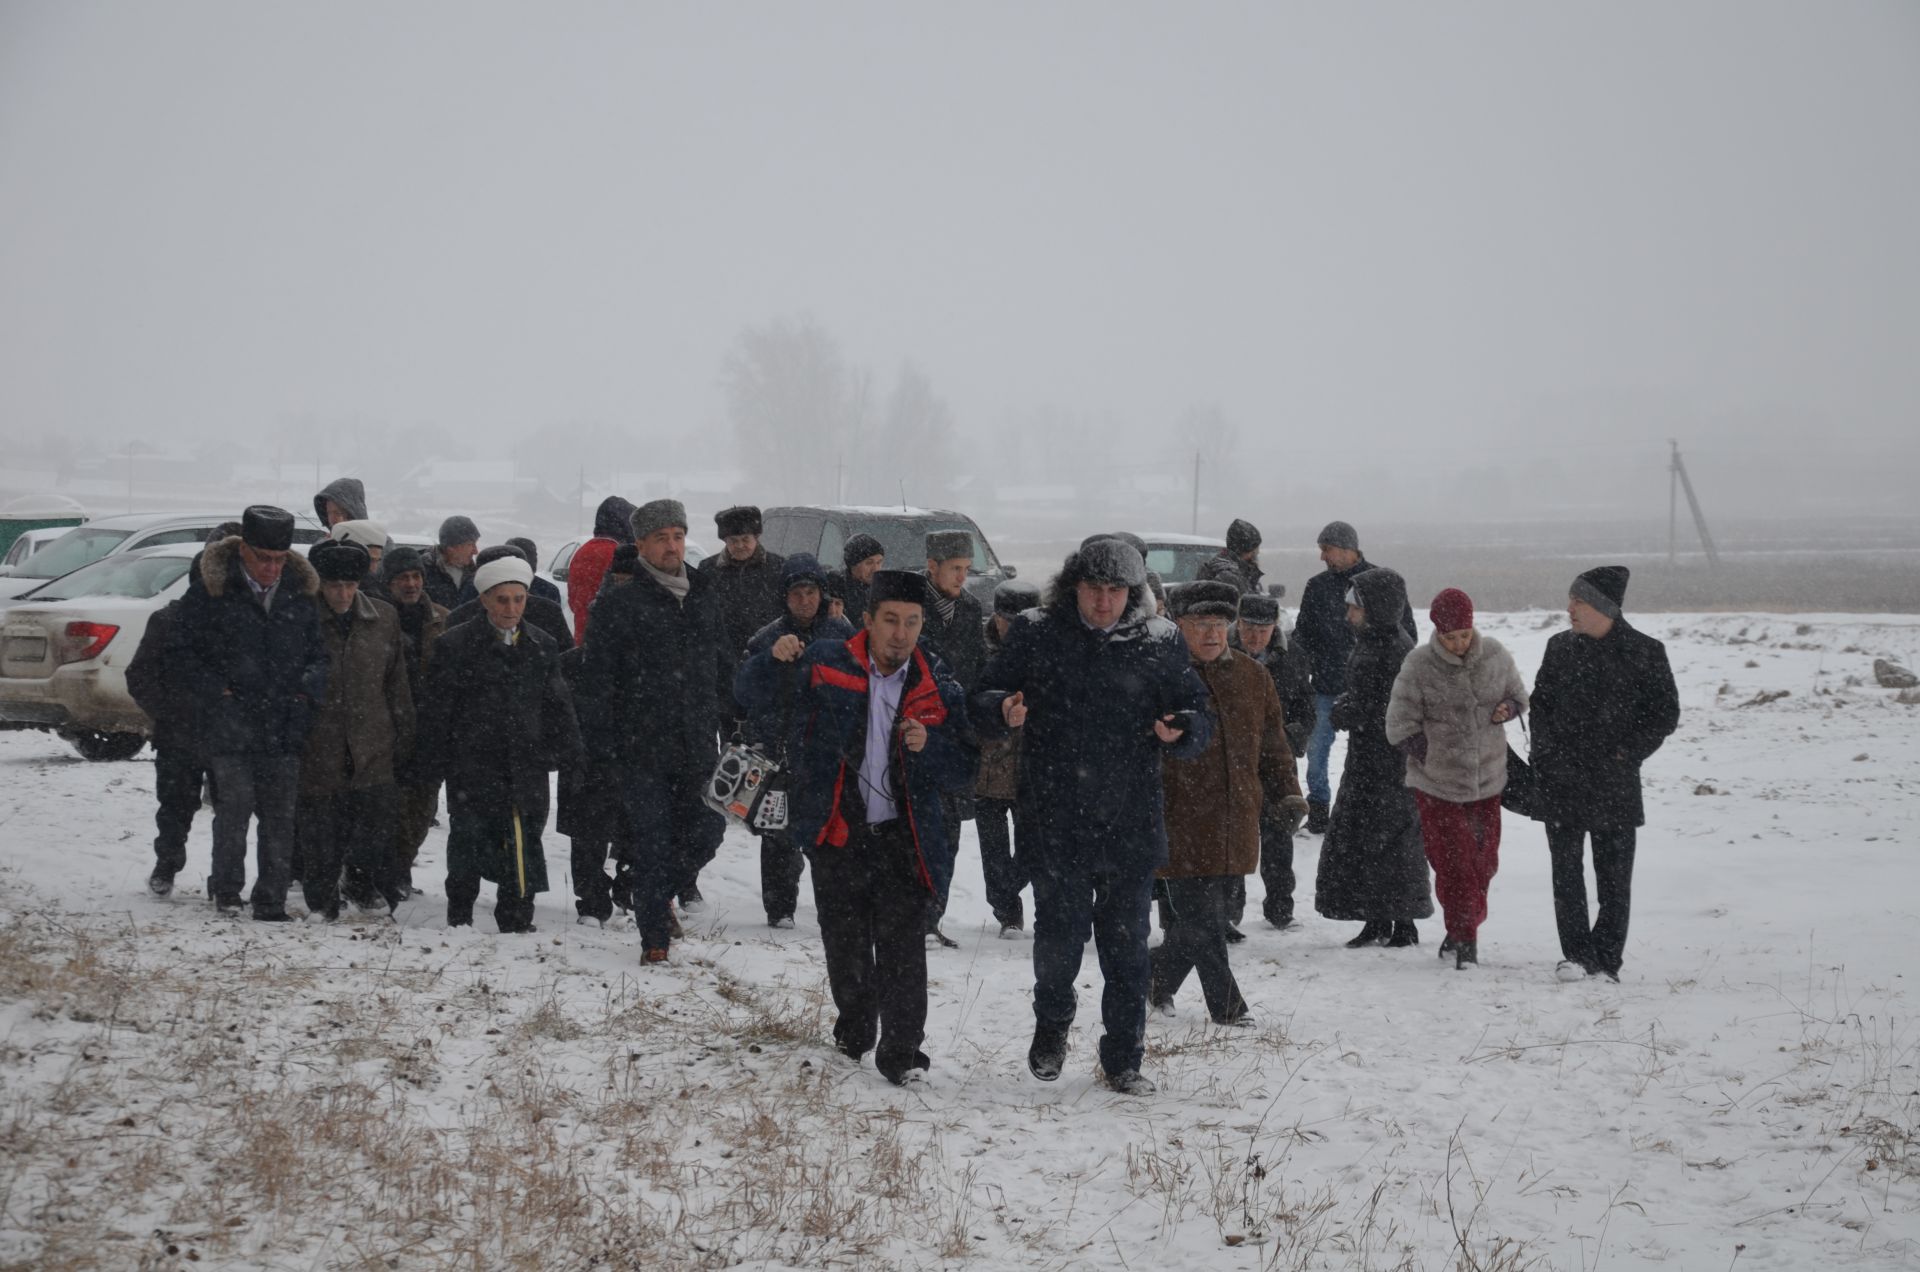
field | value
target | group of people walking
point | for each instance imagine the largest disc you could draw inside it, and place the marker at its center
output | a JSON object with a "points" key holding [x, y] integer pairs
{"points": [[1116, 741]]}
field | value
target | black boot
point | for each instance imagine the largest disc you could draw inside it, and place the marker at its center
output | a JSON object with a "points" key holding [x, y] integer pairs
{"points": [[1048, 1054], [1372, 934], [1465, 954], [1404, 934], [1447, 947], [1316, 818]]}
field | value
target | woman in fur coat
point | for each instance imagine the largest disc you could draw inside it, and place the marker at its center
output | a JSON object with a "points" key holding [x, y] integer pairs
{"points": [[1450, 706]]}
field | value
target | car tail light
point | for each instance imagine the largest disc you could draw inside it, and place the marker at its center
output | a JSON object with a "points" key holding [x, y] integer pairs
{"points": [[85, 640]]}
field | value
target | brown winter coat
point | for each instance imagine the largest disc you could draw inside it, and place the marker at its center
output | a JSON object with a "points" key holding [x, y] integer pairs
{"points": [[1214, 800], [364, 731], [999, 757]]}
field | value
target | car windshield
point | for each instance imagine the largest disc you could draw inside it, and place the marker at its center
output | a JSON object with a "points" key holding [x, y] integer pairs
{"points": [[905, 541], [1179, 563], [129, 574], [72, 550]]}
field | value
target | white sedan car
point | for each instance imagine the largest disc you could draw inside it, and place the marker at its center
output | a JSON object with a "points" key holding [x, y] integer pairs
{"points": [[65, 647]]}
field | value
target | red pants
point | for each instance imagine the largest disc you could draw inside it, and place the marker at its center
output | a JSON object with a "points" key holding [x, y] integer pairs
{"points": [[1463, 847]]}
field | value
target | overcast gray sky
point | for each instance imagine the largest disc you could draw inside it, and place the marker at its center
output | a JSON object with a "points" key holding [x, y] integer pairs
{"points": [[1451, 232]]}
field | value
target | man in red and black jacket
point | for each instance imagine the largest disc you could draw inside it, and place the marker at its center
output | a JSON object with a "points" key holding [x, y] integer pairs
{"points": [[875, 741]]}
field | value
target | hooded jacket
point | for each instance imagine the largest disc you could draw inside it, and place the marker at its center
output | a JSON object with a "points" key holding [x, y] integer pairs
{"points": [[1090, 762], [253, 675], [827, 742], [1601, 708], [349, 492], [1321, 626], [767, 689], [587, 570], [1215, 799], [1450, 702], [363, 731], [1224, 566], [1373, 865]]}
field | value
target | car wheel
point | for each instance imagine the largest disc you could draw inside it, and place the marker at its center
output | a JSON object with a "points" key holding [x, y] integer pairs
{"points": [[105, 746]]}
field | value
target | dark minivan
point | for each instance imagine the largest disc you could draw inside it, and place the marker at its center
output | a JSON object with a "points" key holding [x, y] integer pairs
{"points": [[902, 532]]}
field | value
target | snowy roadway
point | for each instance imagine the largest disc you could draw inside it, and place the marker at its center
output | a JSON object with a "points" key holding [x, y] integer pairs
{"points": [[186, 1090]]}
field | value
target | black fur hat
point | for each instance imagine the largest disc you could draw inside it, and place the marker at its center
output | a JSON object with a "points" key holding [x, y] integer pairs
{"points": [[337, 561], [1206, 598], [740, 519], [267, 528], [896, 585]]}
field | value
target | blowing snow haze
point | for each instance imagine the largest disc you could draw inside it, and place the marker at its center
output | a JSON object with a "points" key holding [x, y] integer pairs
{"points": [[1380, 262]]}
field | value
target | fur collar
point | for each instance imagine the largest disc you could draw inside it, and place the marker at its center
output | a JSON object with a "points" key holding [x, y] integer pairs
{"points": [[220, 564]]}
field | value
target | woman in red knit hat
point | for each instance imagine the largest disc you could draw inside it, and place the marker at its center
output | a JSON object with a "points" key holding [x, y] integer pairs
{"points": [[1450, 706]]}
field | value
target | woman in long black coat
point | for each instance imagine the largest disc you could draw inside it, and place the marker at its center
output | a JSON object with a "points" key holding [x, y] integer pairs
{"points": [[1373, 866]]}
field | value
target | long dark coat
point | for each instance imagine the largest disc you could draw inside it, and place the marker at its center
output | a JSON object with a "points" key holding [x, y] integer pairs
{"points": [[362, 736], [1090, 762], [1373, 866], [497, 719], [960, 641], [1286, 663], [659, 661], [253, 675], [590, 805], [157, 685], [1600, 709], [542, 612], [1320, 628], [748, 595]]}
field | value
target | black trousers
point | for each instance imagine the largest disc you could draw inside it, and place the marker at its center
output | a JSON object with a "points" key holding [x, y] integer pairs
{"points": [[674, 835], [246, 787], [177, 780], [1598, 945], [872, 911], [954, 811], [352, 832], [1196, 941], [998, 821], [592, 889], [781, 863]]}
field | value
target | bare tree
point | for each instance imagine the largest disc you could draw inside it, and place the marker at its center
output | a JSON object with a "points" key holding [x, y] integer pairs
{"points": [[791, 400]]}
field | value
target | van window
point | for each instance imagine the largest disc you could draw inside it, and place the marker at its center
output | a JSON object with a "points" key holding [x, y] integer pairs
{"points": [[833, 544]]}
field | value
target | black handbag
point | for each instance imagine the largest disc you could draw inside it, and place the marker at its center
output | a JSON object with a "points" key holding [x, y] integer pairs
{"points": [[1522, 795]]}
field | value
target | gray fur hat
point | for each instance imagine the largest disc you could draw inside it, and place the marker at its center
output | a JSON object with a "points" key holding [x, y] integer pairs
{"points": [[1111, 561], [949, 545], [1259, 609], [1206, 598], [658, 515]]}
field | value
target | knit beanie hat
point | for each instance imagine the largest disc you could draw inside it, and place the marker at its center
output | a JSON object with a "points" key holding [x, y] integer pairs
{"points": [[1452, 611], [859, 548], [401, 560], [1243, 537], [660, 514], [626, 560], [456, 530], [802, 567], [1339, 534], [1604, 587]]}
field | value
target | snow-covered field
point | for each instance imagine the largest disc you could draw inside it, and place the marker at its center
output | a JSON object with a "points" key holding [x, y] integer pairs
{"points": [[185, 1090]]}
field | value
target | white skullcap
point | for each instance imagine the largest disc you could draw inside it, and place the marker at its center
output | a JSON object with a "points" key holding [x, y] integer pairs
{"points": [[507, 569], [368, 534]]}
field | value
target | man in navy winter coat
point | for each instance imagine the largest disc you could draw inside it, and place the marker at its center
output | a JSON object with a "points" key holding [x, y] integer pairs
{"points": [[771, 680], [875, 744], [1104, 690]]}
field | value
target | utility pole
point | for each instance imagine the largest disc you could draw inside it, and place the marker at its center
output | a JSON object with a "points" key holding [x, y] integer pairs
{"points": [[1678, 470], [1196, 492]]}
